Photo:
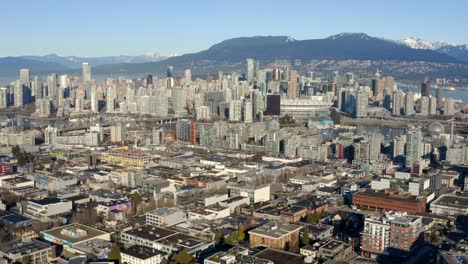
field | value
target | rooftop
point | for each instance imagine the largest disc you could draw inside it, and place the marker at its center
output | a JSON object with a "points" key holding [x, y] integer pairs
{"points": [[459, 201], [89, 233], [141, 252], [47, 201], [280, 256], [275, 229], [22, 247], [165, 236], [386, 194]]}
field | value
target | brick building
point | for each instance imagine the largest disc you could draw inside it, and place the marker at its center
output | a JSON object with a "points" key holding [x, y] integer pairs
{"points": [[276, 235], [390, 200]]}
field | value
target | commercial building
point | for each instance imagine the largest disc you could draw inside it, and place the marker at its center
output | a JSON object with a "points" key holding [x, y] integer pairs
{"points": [[276, 235], [46, 207], [390, 200], [336, 251], [142, 255], [128, 157], [70, 235], [256, 193], [450, 205], [165, 240], [27, 251], [165, 217]]}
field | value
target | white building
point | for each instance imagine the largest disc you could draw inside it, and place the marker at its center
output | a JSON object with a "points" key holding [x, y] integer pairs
{"points": [[235, 110], [142, 255], [165, 217], [256, 193], [211, 212], [46, 207]]}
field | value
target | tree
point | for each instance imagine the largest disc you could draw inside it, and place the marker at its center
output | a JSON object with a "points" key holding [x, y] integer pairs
{"points": [[232, 239], [335, 116], [241, 234], [305, 238], [114, 254], [136, 200], [218, 236], [182, 257], [310, 219]]}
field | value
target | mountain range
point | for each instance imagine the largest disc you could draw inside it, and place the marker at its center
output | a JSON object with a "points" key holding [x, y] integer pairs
{"points": [[231, 54]]}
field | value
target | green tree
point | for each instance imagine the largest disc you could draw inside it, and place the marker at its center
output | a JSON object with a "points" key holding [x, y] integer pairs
{"points": [[182, 257], [305, 238], [114, 253], [218, 236], [232, 239], [15, 150], [241, 234], [335, 116], [310, 219], [136, 200]]}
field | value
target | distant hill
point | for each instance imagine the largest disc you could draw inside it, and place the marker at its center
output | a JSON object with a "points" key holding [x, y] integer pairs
{"points": [[59, 64], [11, 66], [459, 52], [230, 55], [345, 46]]}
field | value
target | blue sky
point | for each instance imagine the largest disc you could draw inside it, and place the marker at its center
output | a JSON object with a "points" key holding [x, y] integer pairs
{"points": [[114, 27]]}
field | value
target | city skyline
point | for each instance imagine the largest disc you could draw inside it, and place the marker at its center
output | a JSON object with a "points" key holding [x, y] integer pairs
{"points": [[92, 29]]}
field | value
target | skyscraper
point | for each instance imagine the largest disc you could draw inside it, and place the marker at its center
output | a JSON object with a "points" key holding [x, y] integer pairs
{"points": [[433, 106], [86, 67], [449, 106], [36, 88], [424, 106], [378, 86], [398, 100], [292, 85], [250, 69], [409, 104], [439, 96], [170, 72], [248, 111], [413, 143], [94, 101], [52, 86], [110, 100], [24, 77], [426, 88], [161, 103], [18, 94], [362, 101], [188, 76], [235, 110], [3, 97]]}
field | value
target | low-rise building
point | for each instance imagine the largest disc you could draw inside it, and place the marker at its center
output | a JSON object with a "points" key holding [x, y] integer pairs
{"points": [[450, 205], [256, 193], [165, 240], [390, 200], [276, 235], [211, 212], [27, 251], [142, 255], [46, 207], [337, 251], [165, 217], [234, 202], [318, 231], [394, 233], [70, 235]]}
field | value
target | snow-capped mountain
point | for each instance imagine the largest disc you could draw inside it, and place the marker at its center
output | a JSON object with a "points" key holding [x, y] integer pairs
{"points": [[417, 43]]}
